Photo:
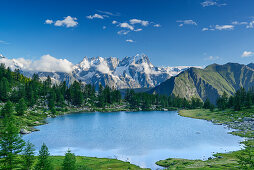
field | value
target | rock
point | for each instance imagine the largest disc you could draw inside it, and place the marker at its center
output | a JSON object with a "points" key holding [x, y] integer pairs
{"points": [[24, 131], [220, 157], [34, 129], [36, 122], [248, 119]]}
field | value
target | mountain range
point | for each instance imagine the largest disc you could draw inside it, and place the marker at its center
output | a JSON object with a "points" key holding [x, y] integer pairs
{"points": [[138, 72], [209, 82], [129, 72]]}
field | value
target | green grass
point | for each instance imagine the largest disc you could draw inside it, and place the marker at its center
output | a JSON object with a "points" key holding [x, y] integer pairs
{"points": [[92, 163], [228, 161]]}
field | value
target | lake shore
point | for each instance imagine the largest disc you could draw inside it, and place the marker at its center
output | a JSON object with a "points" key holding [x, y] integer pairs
{"points": [[240, 121], [29, 121], [215, 117]]}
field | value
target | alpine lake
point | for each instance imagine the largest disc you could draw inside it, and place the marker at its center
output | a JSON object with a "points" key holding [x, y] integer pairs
{"points": [[141, 138]]}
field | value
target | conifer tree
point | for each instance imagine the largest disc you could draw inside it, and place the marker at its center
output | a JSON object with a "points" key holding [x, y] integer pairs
{"points": [[4, 89], [44, 162], [207, 104], [7, 110], [11, 144], [212, 107], [28, 156], [69, 161], [248, 102], [21, 107]]}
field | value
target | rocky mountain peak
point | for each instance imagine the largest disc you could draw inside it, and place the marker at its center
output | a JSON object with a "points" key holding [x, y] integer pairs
{"points": [[251, 65], [1, 56], [130, 72]]}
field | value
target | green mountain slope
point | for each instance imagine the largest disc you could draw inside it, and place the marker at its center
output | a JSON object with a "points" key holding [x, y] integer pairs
{"points": [[209, 82]]}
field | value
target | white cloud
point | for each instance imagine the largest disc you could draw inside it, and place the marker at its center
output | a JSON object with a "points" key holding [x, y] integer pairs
{"points": [[250, 25], [126, 25], [123, 32], [104, 27], [67, 21], [96, 16], [219, 27], [157, 25], [130, 41], [114, 22], [212, 58], [103, 68], [3, 42], [49, 21], [108, 13], [247, 54], [186, 22], [205, 29], [46, 63], [239, 23], [137, 30], [224, 27], [105, 12], [207, 3], [138, 21]]}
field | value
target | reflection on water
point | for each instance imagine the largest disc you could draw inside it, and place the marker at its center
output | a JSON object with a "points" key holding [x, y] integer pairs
{"points": [[139, 137]]}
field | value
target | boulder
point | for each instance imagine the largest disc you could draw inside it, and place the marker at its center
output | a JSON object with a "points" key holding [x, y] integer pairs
{"points": [[37, 122], [24, 131], [248, 119]]}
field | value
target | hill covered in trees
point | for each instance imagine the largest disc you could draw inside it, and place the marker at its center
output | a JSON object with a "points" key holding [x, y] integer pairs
{"points": [[208, 83], [33, 94]]}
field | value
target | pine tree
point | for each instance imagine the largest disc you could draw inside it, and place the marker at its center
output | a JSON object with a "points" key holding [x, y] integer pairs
{"points": [[51, 101], [212, 107], [222, 101], [101, 98], [237, 101], [76, 93], [11, 144], [248, 102], [4, 89], [44, 163], [7, 110], [69, 161], [207, 104], [21, 107], [28, 156]]}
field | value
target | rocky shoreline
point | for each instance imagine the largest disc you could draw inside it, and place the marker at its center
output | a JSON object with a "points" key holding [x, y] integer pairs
{"points": [[243, 125]]}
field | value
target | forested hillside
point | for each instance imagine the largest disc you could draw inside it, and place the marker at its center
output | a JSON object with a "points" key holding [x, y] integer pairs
{"points": [[208, 83], [16, 88]]}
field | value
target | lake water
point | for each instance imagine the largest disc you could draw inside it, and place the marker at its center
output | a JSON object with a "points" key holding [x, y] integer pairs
{"points": [[139, 137]]}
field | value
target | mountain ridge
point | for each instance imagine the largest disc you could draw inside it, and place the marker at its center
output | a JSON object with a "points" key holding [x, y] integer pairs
{"points": [[209, 82], [130, 72]]}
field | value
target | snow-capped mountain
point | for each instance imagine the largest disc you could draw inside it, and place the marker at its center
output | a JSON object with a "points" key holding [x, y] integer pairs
{"points": [[130, 72]]}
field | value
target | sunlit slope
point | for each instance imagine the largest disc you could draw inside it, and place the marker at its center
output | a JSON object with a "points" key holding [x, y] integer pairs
{"points": [[209, 82]]}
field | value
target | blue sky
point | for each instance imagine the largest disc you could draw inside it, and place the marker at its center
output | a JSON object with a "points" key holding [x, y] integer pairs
{"points": [[170, 32]]}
